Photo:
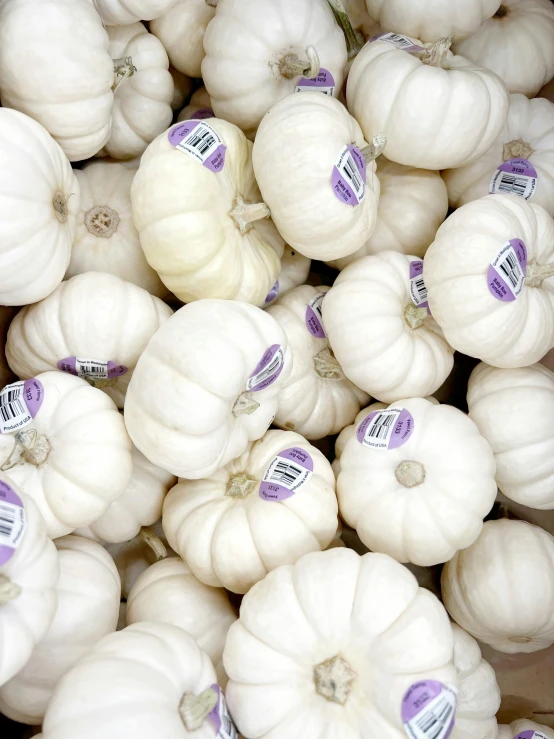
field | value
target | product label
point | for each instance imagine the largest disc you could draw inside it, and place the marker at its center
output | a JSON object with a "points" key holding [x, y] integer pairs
{"points": [[200, 141], [530, 734], [272, 294], [428, 709], [288, 471], [418, 291], [386, 429], [506, 274], [268, 369], [314, 321], [91, 369], [396, 39], [514, 177], [324, 82], [221, 718], [203, 113], [12, 522], [349, 176], [19, 404]]}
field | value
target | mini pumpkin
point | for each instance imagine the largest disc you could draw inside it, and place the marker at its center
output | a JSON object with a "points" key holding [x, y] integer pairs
{"points": [[115, 12], [199, 106]]}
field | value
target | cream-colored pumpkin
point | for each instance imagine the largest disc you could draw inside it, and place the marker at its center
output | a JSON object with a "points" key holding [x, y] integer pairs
{"points": [[88, 608], [106, 239], [516, 43], [297, 149], [416, 481], [384, 342], [264, 509], [516, 729], [168, 592], [502, 401], [477, 312], [206, 385], [69, 90], [295, 268], [529, 135], [92, 317], [412, 205], [182, 88], [116, 12], [318, 400], [28, 579], [501, 588], [331, 645], [6, 315], [73, 457], [217, 241], [200, 106], [405, 95], [39, 200], [143, 90]]}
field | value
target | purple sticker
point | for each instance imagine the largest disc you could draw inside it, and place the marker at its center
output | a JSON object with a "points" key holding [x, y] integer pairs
{"points": [[418, 291], [396, 39], [12, 522], [288, 471], [267, 370], [506, 274], [91, 369], [19, 404], [221, 718], [386, 429], [200, 141], [349, 176], [429, 703], [272, 294], [514, 177], [314, 322], [34, 395], [530, 734], [324, 82], [203, 113]]}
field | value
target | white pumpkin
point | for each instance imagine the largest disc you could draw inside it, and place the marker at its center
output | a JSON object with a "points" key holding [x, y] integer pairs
{"points": [[318, 400], [217, 242], [317, 175], [488, 277], [70, 88], [29, 572], [88, 608], [143, 90], [106, 239], [516, 43], [266, 508], [39, 201], [523, 728], [416, 481], [93, 325], [169, 593], [66, 445], [115, 12], [478, 692], [412, 205], [503, 400], [386, 344], [311, 637], [360, 19], [404, 95], [501, 588], [181, 30], [182, 88], [165, 677], [520, 161], [199, 106], [295, 268], [255, 56], [206, 385]]}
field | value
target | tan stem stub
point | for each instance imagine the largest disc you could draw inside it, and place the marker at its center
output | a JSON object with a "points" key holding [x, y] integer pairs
{"points": [[245, 214], [520, 639], [123, 68], [354, 39], [333, 679], [326, 365], [292, 66], [245, 404], [154, 542], [517, 149], [9, 590], [240, 485], [437, 53], [59, 203], [375, 149], [502, 12], [410, 473], [102, 221], [415, 316], [194, 709], [30, 447], [537, 273]]}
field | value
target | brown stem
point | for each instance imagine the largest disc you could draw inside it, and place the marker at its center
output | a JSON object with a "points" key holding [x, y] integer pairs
{"points": [[291, 66], [154, 542], [244, 214], [536, 273]]}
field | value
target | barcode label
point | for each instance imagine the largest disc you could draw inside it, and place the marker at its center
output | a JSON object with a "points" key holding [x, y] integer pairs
{"points": [[381, 427], [386, 429], [14, 413], [349, 176], [514, 177], [200, 141], [399, 41], [221, 718], [324, 82], [349, 169], [91, 368], [267, 370], [418, 291], [286, 473], [12, 521], [9, 516], [506, 274], [436, 718], [314, 320]]}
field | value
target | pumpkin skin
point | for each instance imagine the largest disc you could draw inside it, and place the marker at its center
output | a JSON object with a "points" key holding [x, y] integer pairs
{"points": [[189, 410], [182, 88], [528, 133], [39, 202], [312, 129], [245, 44], [334, 605], [169, 593], [207, 245], [509, 603], [33, 569], [153, 665], [509, 731], [318, 400], [426, 499], [380, 352], [116, 12], [200, 101], [79, 462], [72, 101], [383, 77], [93, 316], [88, 608], [503, 334], [523, 28]]}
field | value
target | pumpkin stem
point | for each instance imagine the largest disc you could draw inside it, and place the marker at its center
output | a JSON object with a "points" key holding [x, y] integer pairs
{"points": [[519, 639], [516, 149], [437, 53], [30, 447], [375, 149], [8, 590], [502, 12], [333, 679], [244, 214], [536, 273], [291, 66], [154, 542], [245, 403], [195, 708], [326, 365], [59, 203], [415, 316], [123, 68], [240, 485], [102, 221], [354, 40], [410, 473]]}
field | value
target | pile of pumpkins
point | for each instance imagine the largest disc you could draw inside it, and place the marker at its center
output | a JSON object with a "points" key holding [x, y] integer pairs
{"points": [[189, 416]]}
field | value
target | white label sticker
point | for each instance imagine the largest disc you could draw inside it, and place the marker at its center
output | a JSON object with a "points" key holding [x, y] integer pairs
{"points": [[506, 273], [221, 718], [91, 368], [323, 82], [348, 170], [12, 523], [287, 472], [418, 291], [435, 721], [14, 413], [386, 429], [268, 369], [399, 41], [201, 142], [514, 177]]}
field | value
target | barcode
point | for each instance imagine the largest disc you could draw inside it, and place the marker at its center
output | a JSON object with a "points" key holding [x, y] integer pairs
{"points": [[227, 729], [11, 405], [315, 305], [380, 427], [92, 368], [420, 288], [435, 720], [264, 374], [12, 524], [352, 172], [394, 38], [510, 184], [511, 268], [7, 520], [285, 473], [200, 142]]}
